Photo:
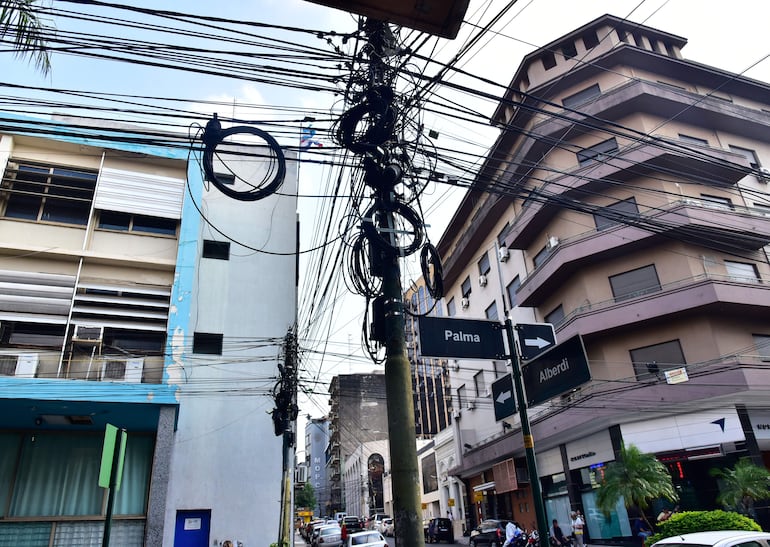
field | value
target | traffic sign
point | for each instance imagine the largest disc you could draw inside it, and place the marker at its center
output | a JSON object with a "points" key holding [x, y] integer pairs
{"points": [[503, 400], [461, 338], [534, 339], [558, 370]]}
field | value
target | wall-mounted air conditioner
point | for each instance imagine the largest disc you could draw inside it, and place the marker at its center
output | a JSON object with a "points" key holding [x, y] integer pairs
{"points": [[91, 334], [482, 280], [764, 175], [488, 392], [23, 365], [471, 405], [503, 254], [455, 365], [465, 302], [456, 415], [553, 242], [123, 370]]}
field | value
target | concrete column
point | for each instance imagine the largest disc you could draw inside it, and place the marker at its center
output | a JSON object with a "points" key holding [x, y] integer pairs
{"points": [[161, 466]]}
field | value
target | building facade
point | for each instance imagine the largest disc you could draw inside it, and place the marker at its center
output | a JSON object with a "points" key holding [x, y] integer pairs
{"points": [[630, 207], [120, 304]]}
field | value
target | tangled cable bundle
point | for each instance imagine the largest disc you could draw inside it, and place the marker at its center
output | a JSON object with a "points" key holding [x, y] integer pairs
{"points": [[214, 135]]}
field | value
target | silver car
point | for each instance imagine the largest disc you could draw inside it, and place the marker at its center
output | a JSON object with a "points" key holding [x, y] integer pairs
{"points": [[328, 536], [722, 538]]}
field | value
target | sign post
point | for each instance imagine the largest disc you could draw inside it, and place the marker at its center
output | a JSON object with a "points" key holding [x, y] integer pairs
{"points": [[111, 472], [503, 400]]}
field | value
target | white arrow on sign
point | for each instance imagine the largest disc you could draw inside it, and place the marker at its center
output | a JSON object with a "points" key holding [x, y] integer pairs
{"points": [[539, 342], [504, 396]]}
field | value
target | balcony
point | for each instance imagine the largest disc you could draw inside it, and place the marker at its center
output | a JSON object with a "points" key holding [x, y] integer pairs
{"points": [[690, 220], [630, 163], [725, 294]]}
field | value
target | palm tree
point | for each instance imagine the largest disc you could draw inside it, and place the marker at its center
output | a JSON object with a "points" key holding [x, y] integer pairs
{"points": [[742, 485], [638, 478], [19, 23]]}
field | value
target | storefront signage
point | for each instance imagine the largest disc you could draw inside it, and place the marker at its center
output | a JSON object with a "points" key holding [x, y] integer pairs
{"points": [[590, 450], [583, 456]]}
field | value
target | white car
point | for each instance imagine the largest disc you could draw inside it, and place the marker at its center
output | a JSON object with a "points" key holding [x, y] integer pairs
{"points": [[388, 527], [369, 538], [722, 538]]}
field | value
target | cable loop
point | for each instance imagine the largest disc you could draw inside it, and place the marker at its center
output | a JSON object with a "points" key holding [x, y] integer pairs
{"points": [[213, 137], [383, 237], [434, 283]]}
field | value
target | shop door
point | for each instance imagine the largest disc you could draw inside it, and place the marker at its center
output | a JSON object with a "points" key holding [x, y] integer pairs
{"points": [[192, 528]]}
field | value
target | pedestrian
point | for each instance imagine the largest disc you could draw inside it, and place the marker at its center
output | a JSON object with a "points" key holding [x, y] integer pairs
{"points": [[642, 529], [577, 525], [344, 531], [664, 515], [558, 535]]}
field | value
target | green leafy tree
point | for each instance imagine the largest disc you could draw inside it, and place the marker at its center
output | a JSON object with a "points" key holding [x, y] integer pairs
{"points": [[20, 24], [305, 497], [638, 478], [742, 485]]}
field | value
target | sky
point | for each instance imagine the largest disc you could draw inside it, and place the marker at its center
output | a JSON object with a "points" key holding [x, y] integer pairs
{"points": [[728, 35]]}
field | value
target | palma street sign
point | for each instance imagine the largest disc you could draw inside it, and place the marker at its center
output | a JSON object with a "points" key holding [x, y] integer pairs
{"points": [[461, 338], [557, 371]]}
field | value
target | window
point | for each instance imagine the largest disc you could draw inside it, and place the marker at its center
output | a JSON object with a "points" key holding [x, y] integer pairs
{"points": [[556, 316], [648, 361], [590, 40], [460, 396], [483, 264], [502, 235], [451, 310], [635, 283], [569, 50], [762, 343], [126, 222], [49, 194], [716, 202], [219, 250], [597, 152], [693, 140], [541, 255], [581, 96], [478, 383], [491, 312], [31, 334], [742, 272], [748, 154], [465, 288], [615, 214], [511, 289], [549, 61], [207, 343]]}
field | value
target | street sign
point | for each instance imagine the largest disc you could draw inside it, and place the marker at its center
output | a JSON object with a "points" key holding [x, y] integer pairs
{"points": [[534, 339], [558, 370], [503, 400], [461, 338]]}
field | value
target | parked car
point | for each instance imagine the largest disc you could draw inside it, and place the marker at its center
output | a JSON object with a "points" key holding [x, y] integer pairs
{"points": [[389, 527], [440, 529], [327, 536], [723, 538], [368, 538], [376, 520], [489, 532], [354, 524]]}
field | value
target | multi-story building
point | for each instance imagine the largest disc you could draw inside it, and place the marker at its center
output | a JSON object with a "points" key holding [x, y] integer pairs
{"points": [[358, 414], [134, 295], [316, 442], [624, 201]]}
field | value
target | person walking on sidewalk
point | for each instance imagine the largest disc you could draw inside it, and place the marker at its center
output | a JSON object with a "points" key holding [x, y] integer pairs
{"points": [[577, 525]]}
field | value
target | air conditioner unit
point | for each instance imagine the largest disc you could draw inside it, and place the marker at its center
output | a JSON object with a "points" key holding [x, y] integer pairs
{"points": [[764, 175], [553, 241], [456, 415], [465, 302], [123, 370], [455, 365], [488, 392], [88, 333], [503, 254], [482, 280], [471, 405], [21, 366]]}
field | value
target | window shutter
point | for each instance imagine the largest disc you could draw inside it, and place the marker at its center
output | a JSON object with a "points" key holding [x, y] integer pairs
{"points": [[139, 193]]}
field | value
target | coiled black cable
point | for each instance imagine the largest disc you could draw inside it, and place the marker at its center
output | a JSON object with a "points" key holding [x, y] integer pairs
{"points": [[214, 135], [384, 241], [434, 283]]}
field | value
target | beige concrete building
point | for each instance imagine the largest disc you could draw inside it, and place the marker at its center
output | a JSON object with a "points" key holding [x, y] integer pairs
{"points": [[625, 201]]}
